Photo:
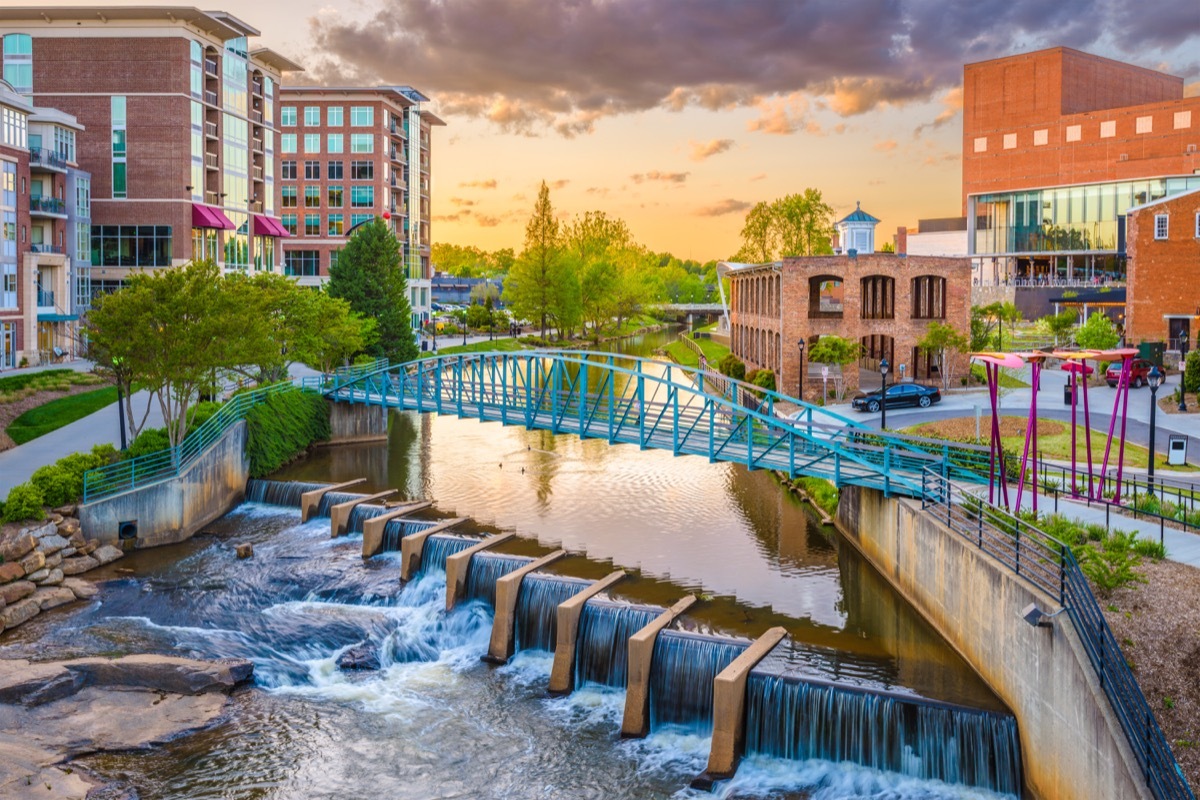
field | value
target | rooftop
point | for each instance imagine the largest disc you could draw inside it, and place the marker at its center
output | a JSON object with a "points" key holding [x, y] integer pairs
{"points": [[858, 215]]}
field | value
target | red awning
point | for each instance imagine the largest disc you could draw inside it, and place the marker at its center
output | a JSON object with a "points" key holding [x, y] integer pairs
{"points": [[269, 226], [208, 217]]}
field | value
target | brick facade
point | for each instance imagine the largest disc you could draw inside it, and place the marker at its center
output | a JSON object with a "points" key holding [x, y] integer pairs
{"points": [[883, 306], [1163, 302]]}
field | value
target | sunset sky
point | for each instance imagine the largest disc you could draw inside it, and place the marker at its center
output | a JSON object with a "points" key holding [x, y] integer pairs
{"points": [[678, 115]]}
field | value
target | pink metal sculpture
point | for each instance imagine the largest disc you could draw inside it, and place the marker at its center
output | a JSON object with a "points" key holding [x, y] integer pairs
{"points": [[1125, 356], [1074, 363], [1035, 361], [992, 362]]}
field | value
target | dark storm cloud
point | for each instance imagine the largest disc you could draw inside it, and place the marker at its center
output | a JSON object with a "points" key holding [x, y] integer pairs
{"points": [[528, 65]]}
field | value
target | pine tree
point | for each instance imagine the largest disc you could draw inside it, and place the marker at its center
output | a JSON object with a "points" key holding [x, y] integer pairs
{"points": [[369, 276], [536, 287]]}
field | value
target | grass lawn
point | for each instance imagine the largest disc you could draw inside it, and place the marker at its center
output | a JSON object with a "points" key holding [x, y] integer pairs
{"points": [[53, 415], [505, 345], [17, 387], [686, 356], [1007, 381]]}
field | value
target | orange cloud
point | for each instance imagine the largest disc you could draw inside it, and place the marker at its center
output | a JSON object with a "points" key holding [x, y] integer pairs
{"points": [[703, 150]]}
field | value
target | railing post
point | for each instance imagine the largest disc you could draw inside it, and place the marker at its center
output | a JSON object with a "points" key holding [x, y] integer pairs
{"points": [[1018, 556]]}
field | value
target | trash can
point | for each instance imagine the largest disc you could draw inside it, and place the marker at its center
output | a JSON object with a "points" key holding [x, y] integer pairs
{"points": [[1067, 393], [1176, 449], [1153, 352]]}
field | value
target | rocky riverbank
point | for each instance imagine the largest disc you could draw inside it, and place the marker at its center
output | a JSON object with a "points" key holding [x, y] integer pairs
{"points": [[52, 712], [39, 563]]}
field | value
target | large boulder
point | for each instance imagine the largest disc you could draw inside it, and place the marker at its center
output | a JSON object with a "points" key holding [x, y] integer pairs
{"points": [[11, 571], [16, 546], [51, 544], [67, 510], [78, 565], [52, 597], [17, 590], [84, 590], [31, 683], [164, 673], [54, 559], [106, 554], [19, 612], [362, 656], [33, 562], [39, 576]]}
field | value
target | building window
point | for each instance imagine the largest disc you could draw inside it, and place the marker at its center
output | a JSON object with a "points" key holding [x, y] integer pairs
{"points": [[287, 116], [878, 293], [15, 129], [335, 197], [360, 219], [335, 225], [119, 150], [302, 263], [825, 297], [289, 223], [204, 244], [312, 224], [1041, 137], [335, 170], [83, 197], [362, 143], [64, 144], [362, 170], [1145, 125], [312, 170], [334, 143], [1108, 129], [312, 142], [83, 241], [312, 196], [1074, 133], [288, 197], [312, 116], [1198, 225], [119, 184], [18, 61], [333, 117], [131, 245], [362, 196], [362, 116], [1161, 225], [333, 258], [287, 142], [1183, 119], [928, 297], [981, 144], [287, 170], [1010, 141]]}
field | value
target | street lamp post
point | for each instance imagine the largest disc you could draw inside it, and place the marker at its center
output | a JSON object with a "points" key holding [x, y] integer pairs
{"points": [[883, 371], [1155, 379], [800, 371], [1182, 394]]}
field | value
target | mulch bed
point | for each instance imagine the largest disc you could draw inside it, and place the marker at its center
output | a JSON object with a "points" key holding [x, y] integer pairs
{"points": [[961, 428], [1157, 625], [1169, 405], [10, 411]]}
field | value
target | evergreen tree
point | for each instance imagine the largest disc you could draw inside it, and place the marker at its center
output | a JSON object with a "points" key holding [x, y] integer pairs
{"points": [[370, 277], [539, 284]]}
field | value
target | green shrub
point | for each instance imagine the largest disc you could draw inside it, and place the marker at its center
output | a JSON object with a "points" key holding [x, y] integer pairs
{"points": [[1191, 372], [732, 366], [1113, 564], [202, 413], [822, 492], [282, 427], [56, 485], [24, 502], [1148, 548], [150, 440], [764, 378]]}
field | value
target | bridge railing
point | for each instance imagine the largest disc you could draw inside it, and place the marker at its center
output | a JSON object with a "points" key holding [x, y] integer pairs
{"points": [[124, 476], [1050, 565]]}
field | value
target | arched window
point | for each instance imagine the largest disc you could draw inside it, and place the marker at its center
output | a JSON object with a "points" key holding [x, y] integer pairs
{"points": [[874, 348], [878, 297], [928, 297], [825, 295]]}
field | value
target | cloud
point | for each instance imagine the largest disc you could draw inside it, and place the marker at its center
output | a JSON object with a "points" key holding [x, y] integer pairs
{"points": [[952, 103], [665, 177], [598, 190], [532, 67], [559, 184], [703, 150], [461, 201], [720, 209], [760, 176], [487, 222], [488, 184], [884, 146]]}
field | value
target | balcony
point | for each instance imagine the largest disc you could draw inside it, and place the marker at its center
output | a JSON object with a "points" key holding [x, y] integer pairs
{"points": [[258, 173], [210, 97], [45, 299], [256, 87], [46, 248], [46, 159], [210, 130], [51, 206], [214, 199], [256, 207], [210, 160], [398, 156], [258, 145], [256, 116], [210, 67]]}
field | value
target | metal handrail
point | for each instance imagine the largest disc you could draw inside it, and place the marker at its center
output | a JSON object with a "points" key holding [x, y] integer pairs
{"points": [[1050, 565], [135, 473]]}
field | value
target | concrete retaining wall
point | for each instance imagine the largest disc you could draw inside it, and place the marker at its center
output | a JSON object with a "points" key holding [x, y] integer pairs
{"points": [[172, 510], [1072, 745], [356, 422]]}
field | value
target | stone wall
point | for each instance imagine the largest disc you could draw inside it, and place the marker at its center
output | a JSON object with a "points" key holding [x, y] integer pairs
{"points": [[356, 422], [172, 510], [1072, 745]]}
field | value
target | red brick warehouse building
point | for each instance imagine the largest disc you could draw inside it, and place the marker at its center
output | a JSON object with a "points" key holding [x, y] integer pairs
{"points": [[1163, 289]]}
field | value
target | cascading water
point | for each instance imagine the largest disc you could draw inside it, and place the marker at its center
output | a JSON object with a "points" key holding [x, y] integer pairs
{"points": [[331, 499], [487, 568], [799, 720], [278, 493], [602, 644], [397, 529], [681, 678], [361, 513], [438, 548], [537, 609]]}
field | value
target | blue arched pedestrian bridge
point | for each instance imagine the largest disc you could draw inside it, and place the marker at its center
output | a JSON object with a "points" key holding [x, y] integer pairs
{"points": [[662, 406]]}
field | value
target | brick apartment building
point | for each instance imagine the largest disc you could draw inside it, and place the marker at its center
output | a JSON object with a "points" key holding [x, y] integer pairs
{"points": [[179, 129], [1163, 301], [348, 155]]}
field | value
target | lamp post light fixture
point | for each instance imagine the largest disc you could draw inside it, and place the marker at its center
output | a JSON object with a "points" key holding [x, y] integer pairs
{"points": [[800, 372], [1155, 379], [883, 371]]}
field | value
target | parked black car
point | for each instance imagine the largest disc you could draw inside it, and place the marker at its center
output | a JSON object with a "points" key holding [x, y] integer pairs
{"points": [[902, 394]]}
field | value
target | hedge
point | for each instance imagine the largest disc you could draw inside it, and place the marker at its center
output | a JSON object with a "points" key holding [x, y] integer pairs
{"points": [[282, 427]]}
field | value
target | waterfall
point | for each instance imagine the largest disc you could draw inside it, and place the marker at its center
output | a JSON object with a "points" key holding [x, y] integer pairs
{"points": [[602, 644], [681, 678], [331, 499], [487, 568], [537, 609], [278, 493], [397, 529], [803, 719], [361, 513], [438, 548]]}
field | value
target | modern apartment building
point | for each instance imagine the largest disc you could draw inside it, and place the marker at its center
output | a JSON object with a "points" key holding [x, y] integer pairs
{"points": [[346, 156], [178, 128], [1058, 145]]}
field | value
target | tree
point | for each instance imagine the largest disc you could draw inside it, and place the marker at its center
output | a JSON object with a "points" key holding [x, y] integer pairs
{"points": [[335, 332], [982, 325], [369, 276], [595, 243], [939, 341], [835, 351], [887, 247], [760, 240], [803, 222], [1097, 333], [482, 293], [1060, 325], [536, 285]]}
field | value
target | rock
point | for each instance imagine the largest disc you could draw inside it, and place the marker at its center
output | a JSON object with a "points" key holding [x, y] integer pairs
{"points": [[164, 673], [32, 683], [55, 517], [39, 576], [40, 529], [53, 597], [362, 656], [113, 791], [67, 510], [67, 552], [18, 612], [89, 547], [76, 539], [245, 550], [106, 554], [51, 544], [16, 546], [11, 571], [17, 590], [33, 562], [53, 579], [84, 590], [78, 565], [54, 560]]}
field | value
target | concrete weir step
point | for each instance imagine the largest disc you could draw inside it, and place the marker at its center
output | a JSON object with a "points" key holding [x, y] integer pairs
{"points": [[729, 711], [458, 564], [374, 527], [562, 674], [339, 515], [636, 722], [412, 546], [508, 588], [310, 501]]}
